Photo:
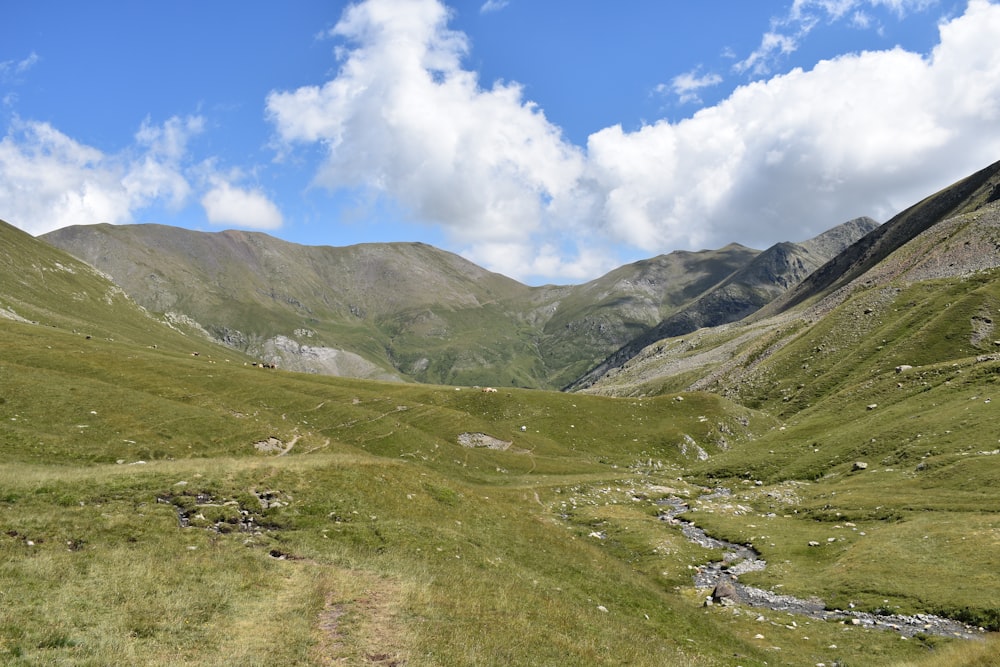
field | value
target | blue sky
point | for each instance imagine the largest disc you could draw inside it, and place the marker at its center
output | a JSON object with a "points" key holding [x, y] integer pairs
{"points": [[548, 140]]}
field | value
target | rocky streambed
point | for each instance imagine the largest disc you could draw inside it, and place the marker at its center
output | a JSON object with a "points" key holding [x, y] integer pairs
{"points": [[722, 577]]}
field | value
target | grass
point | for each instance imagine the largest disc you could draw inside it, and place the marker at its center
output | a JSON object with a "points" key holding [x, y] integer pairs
{"points": [[389, 541]]}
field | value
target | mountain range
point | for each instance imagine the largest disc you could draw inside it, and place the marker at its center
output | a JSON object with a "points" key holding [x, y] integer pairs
{"points": [[408, 311]]}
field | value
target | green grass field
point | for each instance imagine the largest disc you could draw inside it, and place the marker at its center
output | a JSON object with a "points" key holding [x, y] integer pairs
{"points": [[141, 524]]}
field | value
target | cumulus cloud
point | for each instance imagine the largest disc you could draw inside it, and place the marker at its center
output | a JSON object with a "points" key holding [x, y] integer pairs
{"points": [[783, 159], [779, 159], [48, 180], [403, 118], [226, 204]]}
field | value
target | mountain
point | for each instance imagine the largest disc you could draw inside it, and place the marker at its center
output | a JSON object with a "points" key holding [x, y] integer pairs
{"points": [[765, 277], [591, 319], [47, 287], [306, 308], [402, 311], [951, 236], [967, 195]]}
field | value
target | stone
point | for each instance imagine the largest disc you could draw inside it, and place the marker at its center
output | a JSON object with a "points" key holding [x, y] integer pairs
{"points": [[725, 591]]}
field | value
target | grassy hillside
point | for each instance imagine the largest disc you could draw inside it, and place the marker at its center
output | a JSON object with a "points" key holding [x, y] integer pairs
{"points": [[51, 288], [889, 424], [144, 524]]}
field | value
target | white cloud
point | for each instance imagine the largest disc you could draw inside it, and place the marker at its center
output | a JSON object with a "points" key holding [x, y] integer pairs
{"points": [[48, 180], [687, 85], [493, 6], [226, 204], [11, 70], [861, 20], [402, 118], [787, 32], [574, 262], [157, 173], [772, 45], [781, 159], [784, 159]]}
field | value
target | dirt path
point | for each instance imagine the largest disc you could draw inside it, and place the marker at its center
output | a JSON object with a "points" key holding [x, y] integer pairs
{"points": [[291, 443]]}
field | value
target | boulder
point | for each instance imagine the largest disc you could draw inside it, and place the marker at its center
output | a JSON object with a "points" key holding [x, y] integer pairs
{"points": [[725, 592]]}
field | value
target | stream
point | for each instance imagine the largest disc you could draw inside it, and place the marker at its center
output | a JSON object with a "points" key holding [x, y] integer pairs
{"points": [[723, 578]]}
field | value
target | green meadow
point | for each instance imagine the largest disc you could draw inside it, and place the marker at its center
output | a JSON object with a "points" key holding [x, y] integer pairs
{"points": [[148, 519]]}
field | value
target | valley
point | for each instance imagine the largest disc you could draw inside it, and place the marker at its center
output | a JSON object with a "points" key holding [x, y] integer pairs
{"points": [[166, 499]]}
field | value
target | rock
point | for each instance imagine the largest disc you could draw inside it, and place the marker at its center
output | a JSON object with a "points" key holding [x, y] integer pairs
{"points": [[872, 406], [725, 592], [813, 543], [483, 440], [859, 465]]}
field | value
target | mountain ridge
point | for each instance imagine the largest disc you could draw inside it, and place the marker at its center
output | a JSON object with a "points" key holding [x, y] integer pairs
{"points": [[398, 311], [769, 274]]}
